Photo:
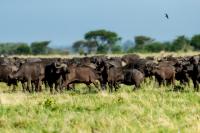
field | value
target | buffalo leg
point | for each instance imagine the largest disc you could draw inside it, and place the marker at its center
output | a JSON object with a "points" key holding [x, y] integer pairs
{"points": [[103, 84], [89, 87], [34, 86], [70, 87], [195, 82], [110, 84], [23, 86], [60, 85], [96, 85], [46, 85], [56, 87], [51, 89], [50, 86], [160, 82], [116, 86], [28, 85], [39, 86], [14, 87], [40, 83]]}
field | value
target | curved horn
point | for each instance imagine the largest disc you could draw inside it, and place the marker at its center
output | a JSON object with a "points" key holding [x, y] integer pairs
{"points": [[124, 63], [92, 65], [61, 66]]}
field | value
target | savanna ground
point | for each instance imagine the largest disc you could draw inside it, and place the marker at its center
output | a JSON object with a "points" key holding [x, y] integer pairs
{"points": [[150, 109]]}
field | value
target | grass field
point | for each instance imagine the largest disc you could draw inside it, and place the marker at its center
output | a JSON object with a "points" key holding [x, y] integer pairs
{"points": [[161, 54], [150, 109]]}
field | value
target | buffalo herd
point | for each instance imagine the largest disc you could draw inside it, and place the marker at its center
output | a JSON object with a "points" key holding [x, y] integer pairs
{"points": [[103, 72]]}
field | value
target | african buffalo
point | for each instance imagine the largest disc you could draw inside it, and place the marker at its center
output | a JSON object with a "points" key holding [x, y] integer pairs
{"points": [[85, 75], [164, 74], [125, 76], [5, 71], [30, 73]]}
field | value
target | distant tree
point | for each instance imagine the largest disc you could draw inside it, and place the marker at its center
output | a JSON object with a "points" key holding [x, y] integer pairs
{"points": [[23, 49], [181, 43], [141, 41], [40, 47], [5, 48], [58, 51], [154, 47], [167, 45], [11, 48], [131, 50], [195, 42], [116, 49], [102, 49], [91, 46], [78, 45], [103, 37]]}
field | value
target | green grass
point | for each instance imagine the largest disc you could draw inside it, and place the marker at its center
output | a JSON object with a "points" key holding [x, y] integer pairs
{"points": [[150, 109]]}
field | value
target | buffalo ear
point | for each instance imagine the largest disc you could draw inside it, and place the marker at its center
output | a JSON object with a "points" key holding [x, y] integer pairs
{"points": [[20, 64]]}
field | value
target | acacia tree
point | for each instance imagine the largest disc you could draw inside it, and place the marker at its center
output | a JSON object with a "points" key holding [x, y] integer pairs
{"points": [[141, 41], [23, 49], [91, 46], [155, 47], [181, 43], [78, 45], [40, 47], [195, 42], [102, 37]]}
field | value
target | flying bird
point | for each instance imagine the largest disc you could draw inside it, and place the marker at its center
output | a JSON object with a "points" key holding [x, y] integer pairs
{"points": [[166, 15]]}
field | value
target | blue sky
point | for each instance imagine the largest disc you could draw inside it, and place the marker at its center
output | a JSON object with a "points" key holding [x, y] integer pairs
{"points": [[65, 21]]}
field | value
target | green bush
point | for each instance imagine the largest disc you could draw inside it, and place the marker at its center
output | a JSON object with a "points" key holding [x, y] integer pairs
{"points": [[23, 49], [154, 47]]}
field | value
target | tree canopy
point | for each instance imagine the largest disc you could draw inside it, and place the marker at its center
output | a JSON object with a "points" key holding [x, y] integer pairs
{"points": [[195, 42], [181, 43], [102, 37], [40, 47]]}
